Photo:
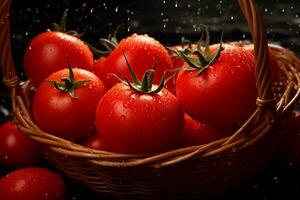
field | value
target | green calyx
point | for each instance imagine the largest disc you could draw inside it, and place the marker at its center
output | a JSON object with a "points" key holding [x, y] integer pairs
{"points": [[200, 58], [109, 44], [145, 85], [62, 26], [68, 84]]}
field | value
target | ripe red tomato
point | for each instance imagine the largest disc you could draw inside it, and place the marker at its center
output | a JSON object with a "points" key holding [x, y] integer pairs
{"points": [[47, 53], [32, 184], [133, 122], [196, 133], [95, 142], [60, 114], [225, 93], [16, 148], [142, 52]]}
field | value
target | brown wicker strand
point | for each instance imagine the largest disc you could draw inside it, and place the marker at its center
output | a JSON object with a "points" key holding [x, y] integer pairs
{"points": [[263, 73]]}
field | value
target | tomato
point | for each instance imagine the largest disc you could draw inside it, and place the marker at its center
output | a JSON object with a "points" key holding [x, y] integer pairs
{"points": [[95, 142], [99, 63], [59, 113], [224, 94], [32, 184], [289, 142], [47, 53], [135, 122], [142, 52], [196, 133], [16, 148]]}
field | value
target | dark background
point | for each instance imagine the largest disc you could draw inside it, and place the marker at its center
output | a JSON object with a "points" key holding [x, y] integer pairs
{"points": [[166, 21]]}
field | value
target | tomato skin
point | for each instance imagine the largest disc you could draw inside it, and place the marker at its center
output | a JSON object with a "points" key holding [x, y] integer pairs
{"points": [[32, 184], [132, 122], [95, 142], [197, 133], [57, 113], [47, 53], [225, 94], [142, 52], [16, 148]]}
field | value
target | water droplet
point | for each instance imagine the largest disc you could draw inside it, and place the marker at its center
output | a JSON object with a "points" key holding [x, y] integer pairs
{"points": [[164, 2], [92, 10], [231, 17], [84, 5], [161, 14], [266, 10], [27, 32], [176, 4], [117, 9], [283, 10]]}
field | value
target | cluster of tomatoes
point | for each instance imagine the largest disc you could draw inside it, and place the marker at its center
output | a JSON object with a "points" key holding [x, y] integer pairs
{"points": [[140, 99], [130, 100]]}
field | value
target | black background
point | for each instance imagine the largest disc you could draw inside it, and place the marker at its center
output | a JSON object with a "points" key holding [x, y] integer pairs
{"points": [[167, 21]]}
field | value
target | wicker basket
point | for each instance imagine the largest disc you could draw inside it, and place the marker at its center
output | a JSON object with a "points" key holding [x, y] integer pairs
{"points": [[197, 171]]}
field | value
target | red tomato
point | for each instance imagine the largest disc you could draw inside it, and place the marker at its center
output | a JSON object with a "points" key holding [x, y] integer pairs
{"points": [[16, 148], [142, 52], [95, 142], [133, 122], [289, 143], [60, 114], [32, 184], [47, 53], [196, 133], [99, 64], [225, 94]]}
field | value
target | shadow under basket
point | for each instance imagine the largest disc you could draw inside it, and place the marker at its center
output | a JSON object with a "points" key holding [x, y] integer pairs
{"points": [[204, 171]]}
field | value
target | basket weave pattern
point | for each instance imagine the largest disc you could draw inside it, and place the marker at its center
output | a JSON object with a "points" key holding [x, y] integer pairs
{"points": [[203, 170]]}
